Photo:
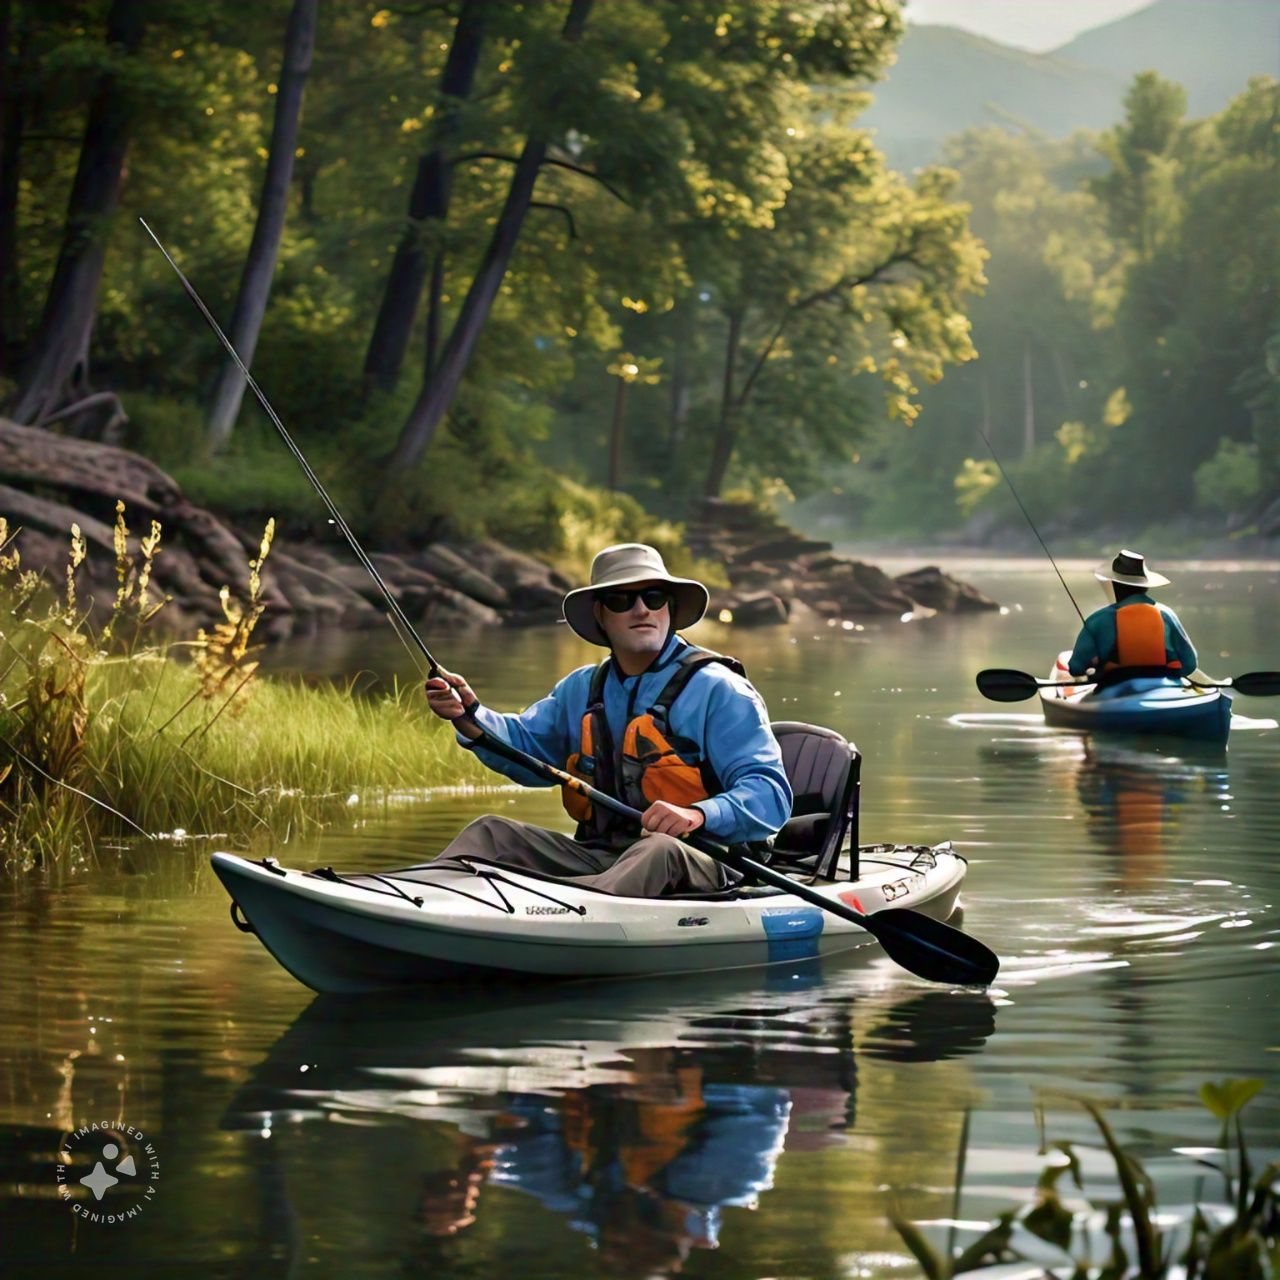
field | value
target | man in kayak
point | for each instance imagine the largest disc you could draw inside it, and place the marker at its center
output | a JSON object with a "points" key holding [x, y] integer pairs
{"points": [[1134, 631], [673, 730]]}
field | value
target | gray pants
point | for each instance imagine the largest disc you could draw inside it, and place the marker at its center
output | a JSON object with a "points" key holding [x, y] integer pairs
{"points": [[648, 867]]}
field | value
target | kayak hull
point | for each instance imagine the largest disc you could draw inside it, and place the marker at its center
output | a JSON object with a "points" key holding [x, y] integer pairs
{"points": [[358, 934], [1144, 706]]}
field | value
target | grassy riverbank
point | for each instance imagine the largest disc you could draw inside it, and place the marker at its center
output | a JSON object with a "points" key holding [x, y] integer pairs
{"points": [[152, 753], [106, 735]]}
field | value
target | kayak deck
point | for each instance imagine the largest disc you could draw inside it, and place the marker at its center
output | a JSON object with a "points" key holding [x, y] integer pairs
{"points": [[421, 925], [1146, 705]]}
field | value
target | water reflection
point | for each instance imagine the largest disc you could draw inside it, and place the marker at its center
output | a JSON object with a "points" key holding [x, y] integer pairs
{"points": [[1133, 801], [635, 1121], [1137, 964]]}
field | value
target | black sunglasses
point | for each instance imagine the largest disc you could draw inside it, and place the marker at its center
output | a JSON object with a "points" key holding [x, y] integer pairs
{"points": [[620, 601]]}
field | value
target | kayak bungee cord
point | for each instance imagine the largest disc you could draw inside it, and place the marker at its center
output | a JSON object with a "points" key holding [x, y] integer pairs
{"points": [[929, 948], [491, 877], [1032, 523]]}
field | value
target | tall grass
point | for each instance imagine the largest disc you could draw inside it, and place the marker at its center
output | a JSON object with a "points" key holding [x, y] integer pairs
{"points": [[106, 734]]}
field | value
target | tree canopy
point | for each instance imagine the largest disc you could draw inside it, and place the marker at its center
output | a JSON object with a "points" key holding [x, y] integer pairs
{"points": [[486, 204]]}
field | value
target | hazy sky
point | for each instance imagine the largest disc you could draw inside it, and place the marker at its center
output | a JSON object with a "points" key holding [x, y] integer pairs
{"points": [[1028, 24]]}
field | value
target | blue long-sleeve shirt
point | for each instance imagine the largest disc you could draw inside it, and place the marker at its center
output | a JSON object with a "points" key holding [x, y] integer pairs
{"points": [[718, 709], [1096, 642]]}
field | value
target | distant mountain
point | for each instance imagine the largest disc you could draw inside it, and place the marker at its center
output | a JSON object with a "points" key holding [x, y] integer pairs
{"points": [[1210, 48], [946, 80]]}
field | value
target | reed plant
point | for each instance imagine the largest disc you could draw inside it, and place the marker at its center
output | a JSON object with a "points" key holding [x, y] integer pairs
{"points": [[110, 732], [1235, 1238]]}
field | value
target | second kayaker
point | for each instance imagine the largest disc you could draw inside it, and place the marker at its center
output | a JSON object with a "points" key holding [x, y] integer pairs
{"points": [[1132, 631], [673, 730]]}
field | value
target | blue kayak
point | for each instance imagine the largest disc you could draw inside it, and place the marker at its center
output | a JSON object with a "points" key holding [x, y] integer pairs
{"points": [[1146, 705]]}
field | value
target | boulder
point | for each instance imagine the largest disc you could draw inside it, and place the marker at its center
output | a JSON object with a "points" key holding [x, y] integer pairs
{"points": [[937, 590]]}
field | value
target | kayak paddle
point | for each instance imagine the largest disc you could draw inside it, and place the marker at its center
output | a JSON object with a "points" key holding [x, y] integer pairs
{"points": [[926, 947], [1003, 684]]}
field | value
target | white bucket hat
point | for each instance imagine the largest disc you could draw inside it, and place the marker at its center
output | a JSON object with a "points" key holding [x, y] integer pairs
{"points": [[623, 566], [1131, 569]]}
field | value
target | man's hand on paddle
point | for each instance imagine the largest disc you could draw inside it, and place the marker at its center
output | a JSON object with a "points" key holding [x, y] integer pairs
{"points": [[449, 696], [671, 819]]}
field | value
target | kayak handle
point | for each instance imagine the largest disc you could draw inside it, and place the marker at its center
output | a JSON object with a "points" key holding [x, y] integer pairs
{"points": [[238, 919]]}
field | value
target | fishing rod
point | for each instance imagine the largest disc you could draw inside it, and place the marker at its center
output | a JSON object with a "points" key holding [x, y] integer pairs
{"points": [[1032, 523], [930, 948], [401, 624]]}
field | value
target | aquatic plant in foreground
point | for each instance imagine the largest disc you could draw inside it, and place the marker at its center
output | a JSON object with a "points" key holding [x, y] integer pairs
{"points": [[1238, 1239]]}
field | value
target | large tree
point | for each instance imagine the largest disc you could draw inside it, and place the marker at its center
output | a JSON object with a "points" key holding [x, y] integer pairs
{"points": [[672, 105], [859, 271], [56, 377], [421, 249]]}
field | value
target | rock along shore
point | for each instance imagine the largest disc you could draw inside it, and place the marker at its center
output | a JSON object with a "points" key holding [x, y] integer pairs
{"points": [[48, 482]]}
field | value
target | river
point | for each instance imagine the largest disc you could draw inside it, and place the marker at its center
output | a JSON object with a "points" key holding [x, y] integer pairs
{"points": [[746, 1124]]}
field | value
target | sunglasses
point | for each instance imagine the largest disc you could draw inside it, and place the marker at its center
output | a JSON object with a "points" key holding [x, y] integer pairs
{"points": [[654, 598]]}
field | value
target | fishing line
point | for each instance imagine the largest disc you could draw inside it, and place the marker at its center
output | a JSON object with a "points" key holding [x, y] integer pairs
{"points": [[1030, 521], [400, 624]]}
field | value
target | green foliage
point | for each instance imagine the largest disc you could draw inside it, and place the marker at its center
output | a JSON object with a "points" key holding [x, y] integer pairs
{"points": [[589, 519], [1230, 479], [1244, 1247], [1126, 336], [975, 482], [704, 150]]}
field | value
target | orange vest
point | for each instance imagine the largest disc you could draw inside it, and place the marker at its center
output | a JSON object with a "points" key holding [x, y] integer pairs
{"points": [[1140, 638], [654, 764]]}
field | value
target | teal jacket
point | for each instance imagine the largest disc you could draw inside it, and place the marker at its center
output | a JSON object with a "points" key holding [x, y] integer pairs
{"points": [[718, 709], [1096, 643]]}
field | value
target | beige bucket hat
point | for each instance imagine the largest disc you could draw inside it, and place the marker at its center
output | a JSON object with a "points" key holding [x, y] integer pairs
{"points": [[1131, 569], [624, 565]]}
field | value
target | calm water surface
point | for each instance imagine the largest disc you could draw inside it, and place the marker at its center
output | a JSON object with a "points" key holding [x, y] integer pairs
{"points": [[739, 1125]]}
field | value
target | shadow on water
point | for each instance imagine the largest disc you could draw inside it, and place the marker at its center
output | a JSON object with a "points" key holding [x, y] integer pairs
{"points": [[635, 1114]]}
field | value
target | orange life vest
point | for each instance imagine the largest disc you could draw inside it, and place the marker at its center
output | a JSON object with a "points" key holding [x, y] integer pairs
{"points": [[1140, 638], [654, 763]]}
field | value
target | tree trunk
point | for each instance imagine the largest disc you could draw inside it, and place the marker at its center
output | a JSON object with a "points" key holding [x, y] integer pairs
{"points": [[441, 386], [57, 368], [726, 430], [10, 141], [678, 417], [428, 203], [1028, 403], [260, 265], [615, 435]]}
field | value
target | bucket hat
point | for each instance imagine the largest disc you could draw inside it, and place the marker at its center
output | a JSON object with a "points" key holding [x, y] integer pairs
{"points": [[1131, 569], [624, 565]]}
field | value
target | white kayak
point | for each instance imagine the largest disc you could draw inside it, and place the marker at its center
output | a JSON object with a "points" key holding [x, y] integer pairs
{"points": [[355, 933]]}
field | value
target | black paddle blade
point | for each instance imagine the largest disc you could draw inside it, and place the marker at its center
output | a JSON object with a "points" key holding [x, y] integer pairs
{"points": [[1257, 684], [933, 950], [1003, 684]]}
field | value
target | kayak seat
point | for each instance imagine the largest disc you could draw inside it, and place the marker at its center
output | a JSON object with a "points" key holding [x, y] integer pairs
{"points": [[823, 770]]}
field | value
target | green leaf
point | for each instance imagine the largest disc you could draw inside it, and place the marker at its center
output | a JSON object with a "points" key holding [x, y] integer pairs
{"points": [[934, 1266], [1224, 1098], [1234, 1257], [1050, 1175], [990, 1248], [1118, 1264], [1051, 1221], [1139, 1195]]}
